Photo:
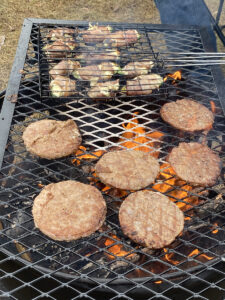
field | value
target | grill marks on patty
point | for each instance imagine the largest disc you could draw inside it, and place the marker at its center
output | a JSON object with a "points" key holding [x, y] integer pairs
{"points": [[150, 219], [187, 115], [195, 163]]}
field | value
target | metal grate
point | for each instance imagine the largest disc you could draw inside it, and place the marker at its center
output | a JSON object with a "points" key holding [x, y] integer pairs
{"points": [[107, 264]]}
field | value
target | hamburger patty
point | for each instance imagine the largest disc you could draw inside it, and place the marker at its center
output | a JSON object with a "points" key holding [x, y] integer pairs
{"points": [[127, 169], [195, 163], [187, 115], [150, 219], [52, 139], [69, 210]]}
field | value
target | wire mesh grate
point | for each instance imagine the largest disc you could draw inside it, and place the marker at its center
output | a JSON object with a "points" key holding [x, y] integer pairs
{"points": [[107, 264]]}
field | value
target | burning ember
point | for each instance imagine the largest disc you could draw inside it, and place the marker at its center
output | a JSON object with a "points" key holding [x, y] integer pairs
{"points": [[176, 76], [139, 139], [117, 250]]}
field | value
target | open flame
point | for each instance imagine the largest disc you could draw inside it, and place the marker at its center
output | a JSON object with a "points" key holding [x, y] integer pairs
{"points": [[169, 256], [175, 188], [117, 249], [196, 252], [176, 76], [139, 140], [80, 155]]}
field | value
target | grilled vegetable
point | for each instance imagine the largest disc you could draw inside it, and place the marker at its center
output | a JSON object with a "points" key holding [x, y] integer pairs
{"points": [[94, 73], [91, 57], [136, 68], [104, 89], [64, 68], [122, 38], [62, 86], [58, 33], [58, 49], [143, 84], [95, 34]]}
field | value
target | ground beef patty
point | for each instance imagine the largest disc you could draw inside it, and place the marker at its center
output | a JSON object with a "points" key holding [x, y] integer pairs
{"points": [[187, 115], [150, 219], [69, 210], [195, 163], [127, 169], [52, 139]]}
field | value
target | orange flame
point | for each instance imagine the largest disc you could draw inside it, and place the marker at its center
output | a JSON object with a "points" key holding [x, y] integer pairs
{"points": [[215, 230], [116, 249], [213, 107], [139, 139], [158, 282], [196, 251], [169, 256], [40, 185], [176, 75], [168, 187], [80, 155]]}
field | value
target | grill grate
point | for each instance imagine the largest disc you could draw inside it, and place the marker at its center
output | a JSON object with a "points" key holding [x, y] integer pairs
{"points": [[108, 262]]}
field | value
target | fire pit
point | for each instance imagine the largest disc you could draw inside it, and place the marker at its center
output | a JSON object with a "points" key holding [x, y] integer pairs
{"points": [[107, 261]]}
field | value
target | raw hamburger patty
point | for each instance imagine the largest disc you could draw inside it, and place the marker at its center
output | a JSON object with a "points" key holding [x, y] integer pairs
{"points": [[52, 139], [195, 163], [150, 219], [127, 169], [69, 210], [187, 115]]}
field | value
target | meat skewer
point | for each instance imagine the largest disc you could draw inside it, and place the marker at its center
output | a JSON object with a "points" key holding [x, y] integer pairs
{"points": [[104, 89], [136, 68], [122, 38], [95, 34], [91, 57], [94, 73], [60, 32], [62, 86], [143, 84], [64, 68]]}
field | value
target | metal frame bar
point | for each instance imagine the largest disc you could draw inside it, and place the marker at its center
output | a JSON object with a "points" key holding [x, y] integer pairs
{"points": [[15, 75]]}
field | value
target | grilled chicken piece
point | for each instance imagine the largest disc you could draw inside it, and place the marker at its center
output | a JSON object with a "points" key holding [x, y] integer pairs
{"points": [[91, 57], [143, 84], [95, 34], [104, 89], [122, 38], [62, 86], [58, 33], [58, 49], [64, 68], [94, 73], [69, 41], [136, 68]]}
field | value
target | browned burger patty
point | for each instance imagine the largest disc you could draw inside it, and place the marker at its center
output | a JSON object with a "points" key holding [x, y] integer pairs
{"points": [[195, 163], [52, 139], [69, 210], [127, 169], [150, 219], [187, 115]]}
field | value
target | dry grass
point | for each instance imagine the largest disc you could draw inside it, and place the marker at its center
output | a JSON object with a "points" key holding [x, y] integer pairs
{"points": [[13, 12]]}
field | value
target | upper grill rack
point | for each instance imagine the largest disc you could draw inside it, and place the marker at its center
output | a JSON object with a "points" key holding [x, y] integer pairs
{"points": [[94, 260]]}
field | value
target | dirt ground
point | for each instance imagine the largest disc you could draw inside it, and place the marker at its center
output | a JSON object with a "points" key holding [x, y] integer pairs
{"points": [[13, 12]]}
